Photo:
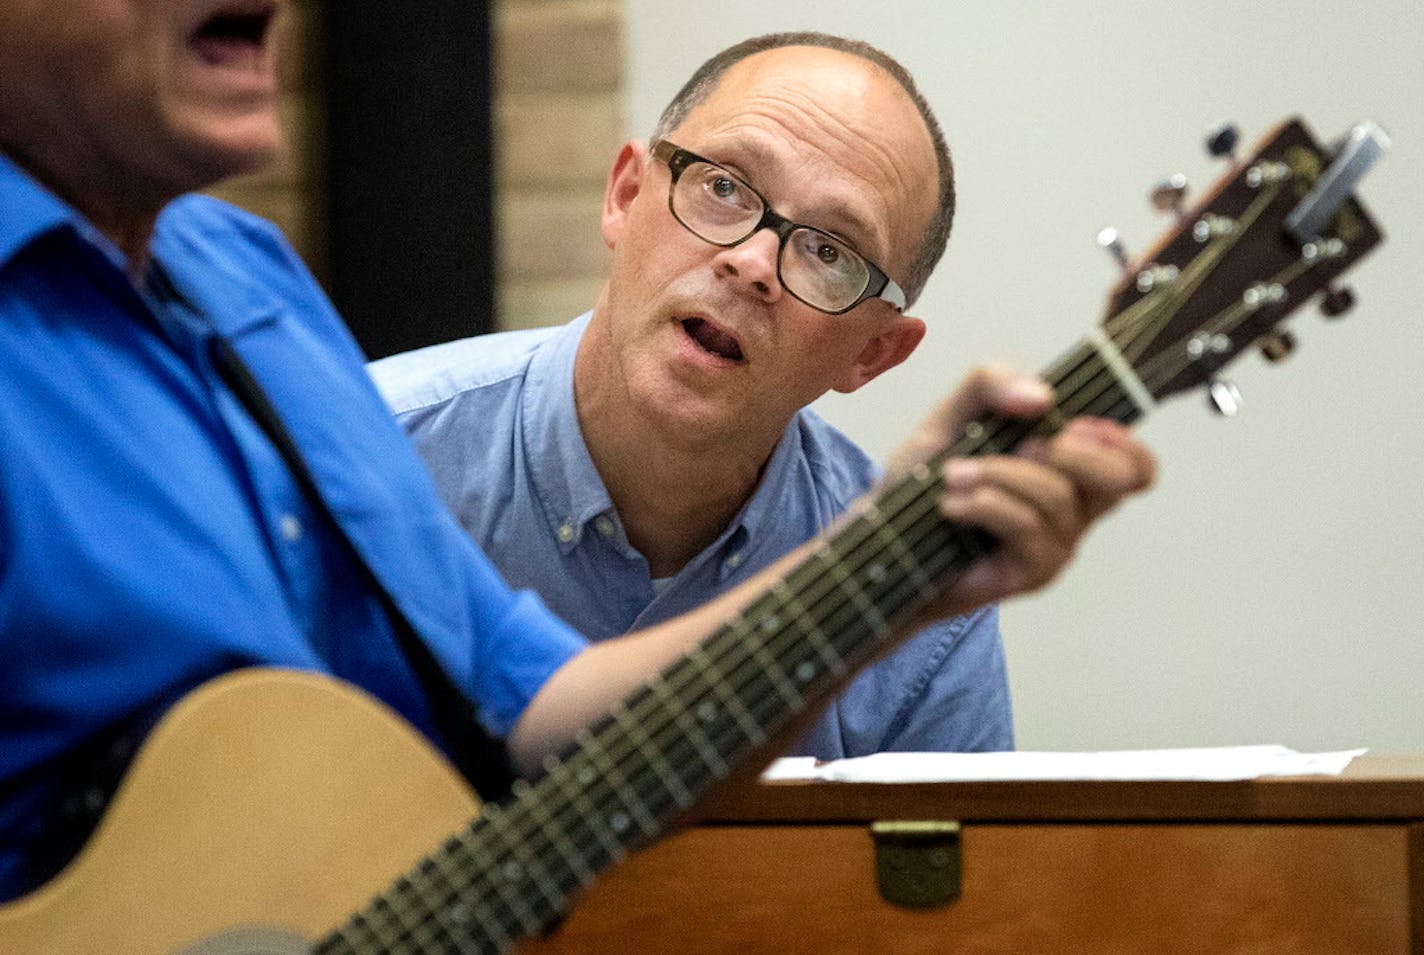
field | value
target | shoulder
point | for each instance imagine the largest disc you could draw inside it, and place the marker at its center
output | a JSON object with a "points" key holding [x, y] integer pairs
{"points": [[237, 255], [240, 267], [438, 373]]}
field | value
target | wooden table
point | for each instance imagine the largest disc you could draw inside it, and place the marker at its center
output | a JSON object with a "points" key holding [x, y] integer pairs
{"points": [[1313, 865]]}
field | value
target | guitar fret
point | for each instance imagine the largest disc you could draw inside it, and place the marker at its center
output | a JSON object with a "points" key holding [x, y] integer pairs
{"points": [[559, 839], [457, 938], [418, 915], [379, 928], [1122, 370], [525, 862], [903, 557], [751, 729], [620, 785], [848, 586], [412, 924], [700, 741], [489, 867], [801, 617], [587, 811], [444, 902], [350, 933], [432, 934], [461, 910], [434, 878], [772, 668], [661, 766]]}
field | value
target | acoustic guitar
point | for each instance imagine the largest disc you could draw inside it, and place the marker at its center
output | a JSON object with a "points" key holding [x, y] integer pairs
{"points": [[276, 812]]}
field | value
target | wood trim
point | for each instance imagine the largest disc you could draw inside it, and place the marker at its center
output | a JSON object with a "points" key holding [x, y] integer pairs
{"points": [[1293, 889], [1416, 888], [1372, 789]]}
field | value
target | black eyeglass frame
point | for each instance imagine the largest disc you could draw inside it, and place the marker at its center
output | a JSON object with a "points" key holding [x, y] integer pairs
{"points": [[877, 283]]}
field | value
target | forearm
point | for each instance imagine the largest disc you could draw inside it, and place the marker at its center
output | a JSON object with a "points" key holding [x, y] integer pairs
{"points": [[588, 686]]}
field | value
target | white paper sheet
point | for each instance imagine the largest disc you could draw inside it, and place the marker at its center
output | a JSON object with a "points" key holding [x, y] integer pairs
{"points": [[1211, 763]]}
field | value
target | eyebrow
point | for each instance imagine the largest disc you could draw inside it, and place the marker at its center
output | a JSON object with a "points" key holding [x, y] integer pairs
{"points": [[838, 213]]}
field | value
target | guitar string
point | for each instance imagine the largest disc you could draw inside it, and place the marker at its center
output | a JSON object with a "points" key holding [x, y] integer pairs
{"points": [[839, 590]]}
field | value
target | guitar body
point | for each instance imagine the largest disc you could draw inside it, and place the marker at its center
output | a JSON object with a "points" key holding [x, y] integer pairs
{"points": [[271, 802]]}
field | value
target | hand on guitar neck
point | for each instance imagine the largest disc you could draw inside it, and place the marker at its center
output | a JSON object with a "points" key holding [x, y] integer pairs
{"points": [[1037, 503]]}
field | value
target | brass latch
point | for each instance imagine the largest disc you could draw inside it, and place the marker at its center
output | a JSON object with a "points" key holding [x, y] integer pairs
{"points": [[917, 863]]}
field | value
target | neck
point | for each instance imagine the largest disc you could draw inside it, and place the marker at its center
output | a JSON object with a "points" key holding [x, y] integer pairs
{"points": [[674, 495]]}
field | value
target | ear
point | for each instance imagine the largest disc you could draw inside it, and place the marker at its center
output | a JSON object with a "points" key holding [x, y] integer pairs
{"points": [[883, 352], [625, 180]]}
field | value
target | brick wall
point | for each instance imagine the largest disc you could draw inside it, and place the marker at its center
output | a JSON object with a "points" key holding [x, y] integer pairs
{"points": [[558, 121]]}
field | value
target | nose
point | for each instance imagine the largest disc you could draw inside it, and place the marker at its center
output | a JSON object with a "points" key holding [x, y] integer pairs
{"points": [[751, 265]]}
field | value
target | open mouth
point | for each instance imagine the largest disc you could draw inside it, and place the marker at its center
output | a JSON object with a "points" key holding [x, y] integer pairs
{"points": [[236, 35], [712, 339]]}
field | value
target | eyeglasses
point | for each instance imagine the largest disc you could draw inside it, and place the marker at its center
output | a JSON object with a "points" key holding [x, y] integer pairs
{"points": [[814, 266]]}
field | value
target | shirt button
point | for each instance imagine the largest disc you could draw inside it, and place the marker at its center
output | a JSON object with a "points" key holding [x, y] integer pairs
{"points": [[604, 525], [566, 532], [734, 561], [291, 528]]}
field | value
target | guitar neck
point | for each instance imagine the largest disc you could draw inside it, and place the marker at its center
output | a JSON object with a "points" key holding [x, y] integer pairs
{"points": [[515, 869]]}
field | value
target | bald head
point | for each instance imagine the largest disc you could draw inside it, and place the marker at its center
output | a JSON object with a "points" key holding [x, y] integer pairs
{"points": [[932, 242]]}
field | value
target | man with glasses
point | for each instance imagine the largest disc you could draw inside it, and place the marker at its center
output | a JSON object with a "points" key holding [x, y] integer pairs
{"points": [[658, 450]]}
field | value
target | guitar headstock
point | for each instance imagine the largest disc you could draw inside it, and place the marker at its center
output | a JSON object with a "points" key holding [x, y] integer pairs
{"points": [[1278, 228]]}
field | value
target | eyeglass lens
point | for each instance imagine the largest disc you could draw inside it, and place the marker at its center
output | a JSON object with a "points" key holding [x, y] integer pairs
{"points": [[815, 266]]}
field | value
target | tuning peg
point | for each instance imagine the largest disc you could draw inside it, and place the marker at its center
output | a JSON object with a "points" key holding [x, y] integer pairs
{"points": [[1276, 346], [1337, 300], [1112, 242], [1221, 141], [1223, 397], [1168, 195]]}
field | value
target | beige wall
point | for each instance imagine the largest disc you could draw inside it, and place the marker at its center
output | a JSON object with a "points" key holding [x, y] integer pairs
{"points": [[559, 120]]}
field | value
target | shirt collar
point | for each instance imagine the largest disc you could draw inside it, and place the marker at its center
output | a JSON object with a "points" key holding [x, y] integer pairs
{"points": [[772, 490], [31, 211], [231, 298], [564, 478]]}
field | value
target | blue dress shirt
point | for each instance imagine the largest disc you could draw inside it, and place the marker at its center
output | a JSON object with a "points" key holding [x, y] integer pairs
{"points": [[152, 537], [494, 418]]}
